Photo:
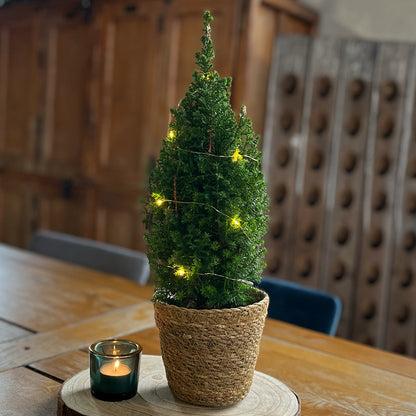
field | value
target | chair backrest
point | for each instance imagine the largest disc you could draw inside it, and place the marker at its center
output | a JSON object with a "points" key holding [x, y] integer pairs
{"points": [[301, 305], [104, 257]]}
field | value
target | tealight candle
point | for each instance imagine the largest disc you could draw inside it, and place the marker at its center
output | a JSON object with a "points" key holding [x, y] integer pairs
{"points": [[114, 367]]}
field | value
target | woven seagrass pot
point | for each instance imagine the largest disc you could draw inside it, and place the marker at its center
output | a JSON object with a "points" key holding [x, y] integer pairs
{"points": [[210, 354]]}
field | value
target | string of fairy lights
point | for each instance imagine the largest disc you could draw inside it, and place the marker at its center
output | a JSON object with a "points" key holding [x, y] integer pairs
{"points": [[234, 221]]}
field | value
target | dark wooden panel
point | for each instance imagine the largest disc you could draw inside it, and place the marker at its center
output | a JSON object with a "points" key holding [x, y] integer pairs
{"points": [[401, 318], [19, 82], [68, 52], [281, 146], [375, 264], [128, 91], [313, 180], [347, 168], [352, 225]]}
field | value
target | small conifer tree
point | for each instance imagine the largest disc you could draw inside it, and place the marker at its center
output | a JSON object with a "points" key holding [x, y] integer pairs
{"points": [[206, 212]]}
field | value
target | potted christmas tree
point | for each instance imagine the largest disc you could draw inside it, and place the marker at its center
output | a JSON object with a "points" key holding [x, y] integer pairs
{"points": [[206, 219]]}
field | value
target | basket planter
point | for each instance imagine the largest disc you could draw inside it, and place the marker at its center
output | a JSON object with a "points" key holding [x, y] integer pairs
{"points": [[210, 354]]}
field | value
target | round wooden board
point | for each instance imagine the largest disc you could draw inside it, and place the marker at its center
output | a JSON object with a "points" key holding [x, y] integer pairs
{"points": [[267, 396]]}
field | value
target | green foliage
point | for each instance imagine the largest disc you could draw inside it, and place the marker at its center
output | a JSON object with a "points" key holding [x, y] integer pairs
{"points": [[206, 212]]}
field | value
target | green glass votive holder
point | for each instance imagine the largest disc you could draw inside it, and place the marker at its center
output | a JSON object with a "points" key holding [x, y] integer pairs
{"points": [[114, 369]]}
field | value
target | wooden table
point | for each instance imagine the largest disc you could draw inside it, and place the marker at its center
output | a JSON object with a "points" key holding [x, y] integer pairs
{"points": [[51, 311]]}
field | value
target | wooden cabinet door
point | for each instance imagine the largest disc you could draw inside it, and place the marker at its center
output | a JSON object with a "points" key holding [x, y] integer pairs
{"points": [[44, 69], [128, 92], [19, 82], [119, 219], [66, 69], [59, 199], [15, 208], [60, 208]]}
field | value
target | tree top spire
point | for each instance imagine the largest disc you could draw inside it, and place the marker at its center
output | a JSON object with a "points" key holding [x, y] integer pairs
{"points": [[205, 57]]}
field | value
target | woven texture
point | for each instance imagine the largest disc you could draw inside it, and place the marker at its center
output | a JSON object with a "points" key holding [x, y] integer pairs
{"points": [[210, 355]]}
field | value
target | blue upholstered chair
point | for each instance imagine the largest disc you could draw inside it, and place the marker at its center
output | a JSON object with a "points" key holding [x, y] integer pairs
{"points": [[104, 257], [301, 305]]}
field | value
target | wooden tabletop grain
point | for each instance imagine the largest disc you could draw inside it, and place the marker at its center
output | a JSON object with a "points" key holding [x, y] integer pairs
{"points": [[51, 311]]}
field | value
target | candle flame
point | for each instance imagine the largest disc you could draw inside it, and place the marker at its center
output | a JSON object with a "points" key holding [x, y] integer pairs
{"points": [[116, 365]]}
